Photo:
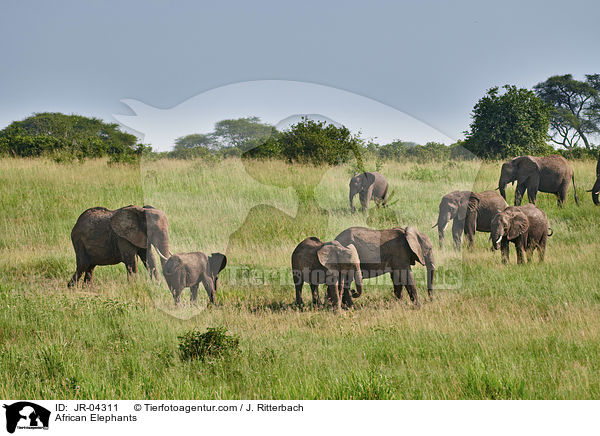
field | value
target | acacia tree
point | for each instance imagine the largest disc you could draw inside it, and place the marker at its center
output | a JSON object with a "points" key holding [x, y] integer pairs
{"points": [[509, 124], [242, 133], [575, 112]]}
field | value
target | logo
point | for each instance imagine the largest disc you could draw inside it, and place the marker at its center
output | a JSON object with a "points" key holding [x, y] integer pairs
{"points": [[26, 415]]}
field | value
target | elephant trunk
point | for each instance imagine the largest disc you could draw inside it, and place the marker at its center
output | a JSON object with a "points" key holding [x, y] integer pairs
{"points": [[442, 223], [162, 247], [596, 191], [430, 276], [502, 189], [359, 284], [351, 197]]}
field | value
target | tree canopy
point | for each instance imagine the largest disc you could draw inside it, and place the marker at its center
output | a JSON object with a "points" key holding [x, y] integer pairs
{"points": [[242, 133], [310, 141], [575, 108], [509, 124], [78, 136]]}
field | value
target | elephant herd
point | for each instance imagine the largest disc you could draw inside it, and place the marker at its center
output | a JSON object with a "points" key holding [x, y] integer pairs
{"points": [[107, 237]]}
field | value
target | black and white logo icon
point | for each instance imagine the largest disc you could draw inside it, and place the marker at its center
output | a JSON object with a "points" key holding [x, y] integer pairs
{"points": [[26, 415]]}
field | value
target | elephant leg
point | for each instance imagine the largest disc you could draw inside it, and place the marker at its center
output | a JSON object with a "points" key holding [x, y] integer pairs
{"points": [[298, 282], [398, 283], [347, 297], [562, 194], [520, 252], [210, 289], [458, 227], [505, 250], [89, 275], [336, 295], [130, 261], [176, 292], [82, 264], [411, 288], [519, 191], [470, 227], [314, 289], [194, 292], [542, 247]]}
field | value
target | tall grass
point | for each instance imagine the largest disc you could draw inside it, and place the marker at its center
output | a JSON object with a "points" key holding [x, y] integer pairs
{"points": [[507, 331]]}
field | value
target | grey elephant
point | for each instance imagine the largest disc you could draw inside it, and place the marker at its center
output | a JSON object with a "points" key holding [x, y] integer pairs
{"points": [[185, 270], [470, 212], [392, 251], [525, 226], [368, 186], [108, 237], [551, 174], [316, 262]]}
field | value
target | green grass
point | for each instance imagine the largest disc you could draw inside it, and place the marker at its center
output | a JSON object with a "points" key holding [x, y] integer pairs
{"points": [[505, 331]]}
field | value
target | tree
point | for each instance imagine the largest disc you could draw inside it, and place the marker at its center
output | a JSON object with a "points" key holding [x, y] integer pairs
{"points": [[191, 146], [79, 136], [243, 133], [319, 143], [575, 112], [509, 124]]}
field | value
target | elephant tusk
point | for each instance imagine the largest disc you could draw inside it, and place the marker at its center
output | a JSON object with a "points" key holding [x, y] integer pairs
{"points": [[499, 239], [434, 226], [162, 256]]}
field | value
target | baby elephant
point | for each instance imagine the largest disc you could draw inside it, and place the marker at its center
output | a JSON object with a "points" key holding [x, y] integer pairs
{"points": [[189, 269], [526, 226], [368, 185]]}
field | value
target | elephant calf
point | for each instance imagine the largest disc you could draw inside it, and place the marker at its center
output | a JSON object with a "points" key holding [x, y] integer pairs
{"points": [[367, 186], [525, 226], [330, 263], [470, 212], [189, 269]]}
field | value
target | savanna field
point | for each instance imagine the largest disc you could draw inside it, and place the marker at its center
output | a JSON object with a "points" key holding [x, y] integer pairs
{"points": [[493, 331]]}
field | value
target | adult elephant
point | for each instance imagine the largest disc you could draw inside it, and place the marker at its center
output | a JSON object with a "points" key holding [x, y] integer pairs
{"points": [[108, 237], [367, 186], [470, 212], [316, 262], [551, 174], [392, 251]]}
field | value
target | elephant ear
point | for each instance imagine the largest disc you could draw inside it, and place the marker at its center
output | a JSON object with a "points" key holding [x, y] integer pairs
{"points": [[518, 225], [216, 263], [129, 223], [328, 254], [474, 201], [414, 242], [527, 166], [354, 259], [463, 205], [370, 178]]}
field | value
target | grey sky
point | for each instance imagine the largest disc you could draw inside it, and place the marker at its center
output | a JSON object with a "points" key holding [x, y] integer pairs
{"points": [[432, 60]]}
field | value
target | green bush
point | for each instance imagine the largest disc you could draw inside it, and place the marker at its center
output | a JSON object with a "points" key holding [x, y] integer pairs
{"points": [[213, 343]]}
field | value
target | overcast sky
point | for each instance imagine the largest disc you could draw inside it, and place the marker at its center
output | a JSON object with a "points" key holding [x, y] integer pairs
{"points": [[430, 60]]}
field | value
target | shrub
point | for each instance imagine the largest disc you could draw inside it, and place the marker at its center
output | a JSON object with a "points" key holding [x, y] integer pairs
{"points": [[213, 343]]}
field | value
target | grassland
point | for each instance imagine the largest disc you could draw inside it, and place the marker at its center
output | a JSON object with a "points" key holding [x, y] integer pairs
{"points": [[493, 331]]}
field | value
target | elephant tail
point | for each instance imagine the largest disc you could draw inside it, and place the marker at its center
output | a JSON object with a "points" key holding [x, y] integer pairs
{"points": [[574, 189], [550, 231]]}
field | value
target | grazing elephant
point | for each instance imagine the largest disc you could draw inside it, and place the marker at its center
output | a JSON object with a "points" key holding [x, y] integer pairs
{"points": [[185, 270], [367, 186], [392, 251], [316, 263], [470, 211], [108, 237], [551, 174], [596, 188], [525, 226]]}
